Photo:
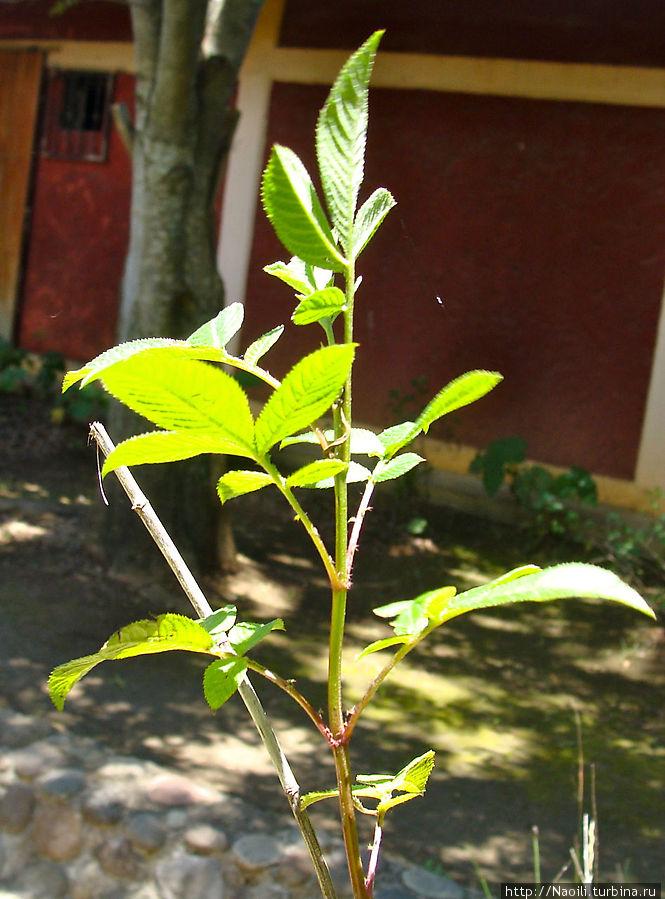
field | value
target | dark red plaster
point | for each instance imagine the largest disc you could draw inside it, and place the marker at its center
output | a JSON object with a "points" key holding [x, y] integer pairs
{"points": [[619, 32], [77, 246], [98, 21]]}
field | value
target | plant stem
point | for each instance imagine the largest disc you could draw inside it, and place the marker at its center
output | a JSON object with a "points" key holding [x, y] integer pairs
{"points": [[363, 506], [374, 856], [202, 607], [343, 419]]}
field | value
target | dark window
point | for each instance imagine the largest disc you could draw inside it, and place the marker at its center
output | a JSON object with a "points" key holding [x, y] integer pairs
{"points": [[76, 115]]}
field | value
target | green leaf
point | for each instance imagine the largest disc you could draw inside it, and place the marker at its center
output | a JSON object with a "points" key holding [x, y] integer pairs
{"points": [[316, 796], [164, 446], [310, 475], [571, 579], [413, 616], [146, 637], [221, 680], [363, 441], [307, 391], [400, 465], [410, 783], [341, 135], [369, 217], [94, 368], [294, 210], [303, 278], [219, 330], [325, 303], [245, 635], [220, 622], [463, 390], [236, 483], [355, 474], [397, 436], [260, 347], [185, 395], [378, 645]]}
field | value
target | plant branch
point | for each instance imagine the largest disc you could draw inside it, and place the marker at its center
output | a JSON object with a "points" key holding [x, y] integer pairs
{"points": [[202, 607], [363, 507], [296, 695], [373, 862]]}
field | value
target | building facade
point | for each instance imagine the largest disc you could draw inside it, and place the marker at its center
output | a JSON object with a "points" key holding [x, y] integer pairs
{"points": [[525, 151]]}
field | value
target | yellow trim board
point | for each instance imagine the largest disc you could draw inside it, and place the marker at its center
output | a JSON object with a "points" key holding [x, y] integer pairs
{"points": [[102, 56], [533, 79]]}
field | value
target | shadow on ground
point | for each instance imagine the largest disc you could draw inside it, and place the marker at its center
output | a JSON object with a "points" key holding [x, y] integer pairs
{"points": [[495, 694]]}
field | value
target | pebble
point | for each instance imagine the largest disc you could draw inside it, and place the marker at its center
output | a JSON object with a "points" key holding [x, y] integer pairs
{"points": [[205, 839], [57, 832], [256, 851], [77, 821], [17, 803], [431, 886]]}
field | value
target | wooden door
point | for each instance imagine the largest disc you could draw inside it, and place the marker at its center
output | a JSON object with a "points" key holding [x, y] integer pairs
{"points": [[20, 76]]}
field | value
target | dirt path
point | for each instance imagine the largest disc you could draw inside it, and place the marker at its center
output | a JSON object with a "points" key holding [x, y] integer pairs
{"points": [[494, 695]]}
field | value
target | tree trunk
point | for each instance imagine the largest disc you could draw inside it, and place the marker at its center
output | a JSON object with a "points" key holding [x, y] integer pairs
{"points": [[188, 55]]}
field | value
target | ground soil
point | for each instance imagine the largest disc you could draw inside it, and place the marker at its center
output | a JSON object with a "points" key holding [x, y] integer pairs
{"points": [[497, 695]]}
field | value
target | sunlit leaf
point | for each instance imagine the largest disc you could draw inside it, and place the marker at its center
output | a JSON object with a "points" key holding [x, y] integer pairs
{"points": [[355, 474], [463, 390], [294, 210], [307, 391], [219, 330], [378, 645], [458, 393], [246, 634], [413, 616], [409, 783], [341, 135], [310, 475], [395, 468], [303, 278], [397, 436], [164, 446], [260, 347], [237, 483], [369, 217], [569, 580], [96, 366], [220, 621], [221, 680], [326, 303], [165, 633], [363, 441], [185, 395]]}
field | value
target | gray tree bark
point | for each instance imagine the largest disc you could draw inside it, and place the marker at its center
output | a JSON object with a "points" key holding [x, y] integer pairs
{"points": [[188, 54]]}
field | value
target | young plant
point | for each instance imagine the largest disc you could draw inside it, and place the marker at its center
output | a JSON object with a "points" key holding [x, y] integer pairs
{"points": [[199, 408]]}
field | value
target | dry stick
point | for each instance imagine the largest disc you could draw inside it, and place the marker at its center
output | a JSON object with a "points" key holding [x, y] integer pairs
{"points": [[157, 531]]}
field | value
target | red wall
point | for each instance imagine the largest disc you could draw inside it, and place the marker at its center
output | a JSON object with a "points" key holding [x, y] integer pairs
{"points": [[619, 32], [107, 21], [540, 225], [78, 240]]}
